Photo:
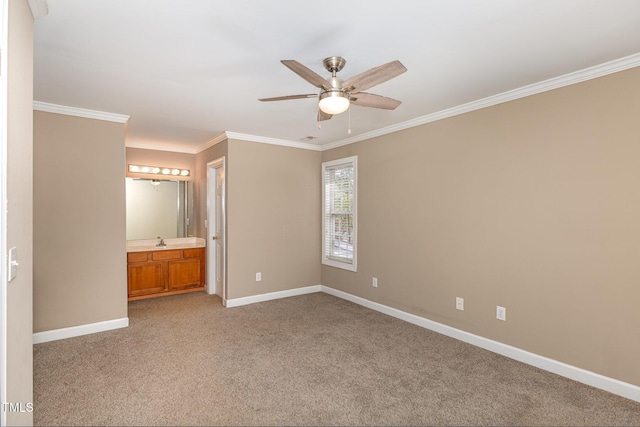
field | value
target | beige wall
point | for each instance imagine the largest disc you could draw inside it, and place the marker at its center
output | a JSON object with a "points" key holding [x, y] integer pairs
{"points": [[273, 218], [80, 265], [171, 159], [532, 205], [19, 326]]}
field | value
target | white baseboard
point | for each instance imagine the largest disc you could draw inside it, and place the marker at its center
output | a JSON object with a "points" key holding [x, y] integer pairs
{"points": [[237, 302], [593, 379], [76, 331], [620, 388]]}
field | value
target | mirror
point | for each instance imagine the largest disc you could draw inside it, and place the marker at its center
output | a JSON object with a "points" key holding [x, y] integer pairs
{"points": [[159, 208]]}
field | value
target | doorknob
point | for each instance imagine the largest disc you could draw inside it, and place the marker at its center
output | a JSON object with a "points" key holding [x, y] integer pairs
{"points": [[215, 237]]}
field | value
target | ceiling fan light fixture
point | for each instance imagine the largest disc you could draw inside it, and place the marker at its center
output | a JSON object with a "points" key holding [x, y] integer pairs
{"points": [[333, 102]]}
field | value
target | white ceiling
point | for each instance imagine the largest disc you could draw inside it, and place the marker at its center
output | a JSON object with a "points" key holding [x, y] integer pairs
{"points": [[188, 70]]}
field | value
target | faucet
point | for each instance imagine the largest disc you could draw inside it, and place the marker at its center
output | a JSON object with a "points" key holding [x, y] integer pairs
{"points": [[162, 243]]}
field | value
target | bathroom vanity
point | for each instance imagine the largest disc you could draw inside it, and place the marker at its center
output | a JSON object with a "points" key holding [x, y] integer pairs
{"points": [[176, 268]]}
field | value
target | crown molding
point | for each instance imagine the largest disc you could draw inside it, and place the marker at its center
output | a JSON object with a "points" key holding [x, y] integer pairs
{"points": [[273, 141], [590, 73], [80, 112], [211, 143], [39, 8]]}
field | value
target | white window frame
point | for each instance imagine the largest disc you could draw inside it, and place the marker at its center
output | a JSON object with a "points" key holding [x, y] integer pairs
{"points": [[327, 259]]}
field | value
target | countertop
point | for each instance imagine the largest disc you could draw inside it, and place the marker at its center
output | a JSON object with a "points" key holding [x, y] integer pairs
{"points": [[173, 243]]}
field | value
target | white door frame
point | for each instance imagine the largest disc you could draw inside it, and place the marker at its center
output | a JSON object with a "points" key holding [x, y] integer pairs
{"points": [[212, 169], [4, 24]]}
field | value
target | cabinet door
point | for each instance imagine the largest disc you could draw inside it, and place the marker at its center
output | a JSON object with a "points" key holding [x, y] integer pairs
{"points": [[184, 274], [146, 278]]}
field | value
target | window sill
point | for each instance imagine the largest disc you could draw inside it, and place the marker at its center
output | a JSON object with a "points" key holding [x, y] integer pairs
{"points": [[339, 264]]}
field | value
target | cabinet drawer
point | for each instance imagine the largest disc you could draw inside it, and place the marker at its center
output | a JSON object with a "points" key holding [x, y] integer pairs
{"points": [[164, 255], [192, 253], [137, 257]]}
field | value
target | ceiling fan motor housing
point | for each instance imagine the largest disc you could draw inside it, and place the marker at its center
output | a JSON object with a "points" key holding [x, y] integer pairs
{"points": [[336, 83], [335, 100]]}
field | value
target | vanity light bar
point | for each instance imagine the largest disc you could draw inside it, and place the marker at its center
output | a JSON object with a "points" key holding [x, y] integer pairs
{"points": [[157, 170]]}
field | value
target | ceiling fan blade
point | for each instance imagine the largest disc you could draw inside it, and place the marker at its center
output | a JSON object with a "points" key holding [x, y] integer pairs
{"points": [[285, 98], [309, 75], [323, 116], [374, 76], [364, 99]]}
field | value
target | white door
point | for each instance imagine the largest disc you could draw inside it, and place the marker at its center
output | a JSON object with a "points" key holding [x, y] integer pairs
{"points": [[216, 229]]}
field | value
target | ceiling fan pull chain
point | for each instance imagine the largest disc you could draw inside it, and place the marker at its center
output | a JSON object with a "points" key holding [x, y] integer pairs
{"points": [[349, 129]]}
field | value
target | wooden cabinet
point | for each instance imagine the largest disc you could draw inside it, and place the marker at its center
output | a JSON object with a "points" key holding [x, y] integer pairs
{"points": [[165, 272], [146, 278]]}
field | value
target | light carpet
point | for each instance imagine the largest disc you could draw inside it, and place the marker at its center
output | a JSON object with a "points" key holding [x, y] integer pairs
{"points": [[306, 360]]}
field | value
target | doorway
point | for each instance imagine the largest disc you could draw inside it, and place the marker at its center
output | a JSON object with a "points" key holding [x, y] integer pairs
{"points": [[216, 229]]}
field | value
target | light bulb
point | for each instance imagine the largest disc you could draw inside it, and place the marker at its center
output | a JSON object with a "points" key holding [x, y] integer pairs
{"points": [[333, 102]]}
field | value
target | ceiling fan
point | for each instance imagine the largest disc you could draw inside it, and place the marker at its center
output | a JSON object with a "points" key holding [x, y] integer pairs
{"points": [[336, 95]]}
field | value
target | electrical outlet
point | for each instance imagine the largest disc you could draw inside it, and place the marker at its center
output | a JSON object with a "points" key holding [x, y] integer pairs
{"points": [[258, 277], [460, 303], [501, 313], [374, 282]]}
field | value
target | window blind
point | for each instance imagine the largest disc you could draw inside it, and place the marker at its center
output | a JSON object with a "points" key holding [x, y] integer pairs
{"points": [[339, 211]]}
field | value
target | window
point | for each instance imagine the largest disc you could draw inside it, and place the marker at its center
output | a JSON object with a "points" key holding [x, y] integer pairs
{"points": [[339, 203]]}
